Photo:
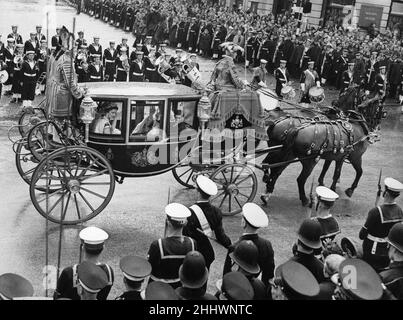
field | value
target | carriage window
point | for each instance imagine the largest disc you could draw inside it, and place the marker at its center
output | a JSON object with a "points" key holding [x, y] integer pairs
{"points": [[108, 118], [146, 121], [183, 114]]}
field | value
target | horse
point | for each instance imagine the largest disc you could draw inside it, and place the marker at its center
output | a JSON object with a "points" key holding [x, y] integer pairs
{"points": [[331, 140]]}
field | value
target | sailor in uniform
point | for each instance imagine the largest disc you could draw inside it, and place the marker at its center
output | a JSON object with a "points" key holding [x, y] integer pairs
{"points": [[91, 280], [347, 77], [137, 68], [166, 254], [31, 43], [95, 69], [150, 72], [205, 221], [16, 87], [39, 36], [282, 77], [294, 282], [392, 277], [14, 34], [193, 275], [14, 286], [379, 222], [30, 74], [123, 45], [109, 60], [254, 218], [92, 243], [80, 41], [260, 75], [329, 225], [8, 53], [380, 82], [136, 271], [308, 80], [95, 49], [121, 70]]}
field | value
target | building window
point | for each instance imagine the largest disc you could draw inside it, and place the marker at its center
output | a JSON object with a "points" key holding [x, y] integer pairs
{"points": [[395, 21], [336, 12]]}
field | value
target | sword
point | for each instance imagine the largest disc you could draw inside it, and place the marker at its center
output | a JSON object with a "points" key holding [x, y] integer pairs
{"points": [[378, 194]]}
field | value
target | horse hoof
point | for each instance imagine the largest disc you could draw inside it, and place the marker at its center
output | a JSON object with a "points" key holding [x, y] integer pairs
{"points": [[264, 200], [349, 192]]}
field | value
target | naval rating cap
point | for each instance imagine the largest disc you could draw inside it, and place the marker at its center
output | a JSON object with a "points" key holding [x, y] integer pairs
{"points": [[177, 212], [255, 215], [206, 185], [14, 286], [93, 238], [393, 185], [326, 194], [135, 268]]}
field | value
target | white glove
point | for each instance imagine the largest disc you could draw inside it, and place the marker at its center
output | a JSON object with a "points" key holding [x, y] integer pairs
{"points": [[367, 92], [303, 86], [262, 84]]}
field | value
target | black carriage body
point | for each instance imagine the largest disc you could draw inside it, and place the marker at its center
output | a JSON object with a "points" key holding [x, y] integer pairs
{"points": [[133, 153]]}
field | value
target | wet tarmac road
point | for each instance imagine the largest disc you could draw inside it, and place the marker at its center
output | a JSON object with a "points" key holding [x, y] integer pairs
{"points": [[134, 218]]}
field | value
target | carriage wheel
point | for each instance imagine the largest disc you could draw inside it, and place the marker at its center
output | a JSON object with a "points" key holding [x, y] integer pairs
{"points": [[40, 142], [83, 183], [185, 175], [29, 119], [237, 185]]}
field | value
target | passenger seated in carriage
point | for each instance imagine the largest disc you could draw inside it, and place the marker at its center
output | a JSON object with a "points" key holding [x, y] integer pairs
{"points": [[105, 123]]}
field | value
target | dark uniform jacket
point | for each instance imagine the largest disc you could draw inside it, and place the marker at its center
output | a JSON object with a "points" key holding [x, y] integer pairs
{"points": [[330, 227], [310, 262], [137, 71], [359, 71], [130, 295], [166, 256], [92, 50], [259, 289], [29, 77], [392, 278], [265, 260], [347, 80], [282, 77], [17, 37], [326, 290], [194, 294], [380, 84], [109, 59], [94, 74], [193, 34], [214, 219], [67, 283]]}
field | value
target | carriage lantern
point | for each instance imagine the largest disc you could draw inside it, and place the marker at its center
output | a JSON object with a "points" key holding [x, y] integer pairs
{"points": [[87, 114], [204, 110]]}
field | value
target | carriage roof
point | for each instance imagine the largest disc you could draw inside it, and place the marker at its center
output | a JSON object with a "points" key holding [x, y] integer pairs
{"points": [[139, 89]]}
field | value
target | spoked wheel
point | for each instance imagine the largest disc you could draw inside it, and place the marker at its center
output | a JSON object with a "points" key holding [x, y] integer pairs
{"points": [[29, 119], [237, 185], [26, 164], [185, 175], [40, 139], [84, 182]]}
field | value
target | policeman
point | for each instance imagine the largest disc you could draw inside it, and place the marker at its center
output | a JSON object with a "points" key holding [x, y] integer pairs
{"points": [[234, 286], [295, 282], [357, 280], [259, 75], [282, 77], [14, 286], [392, 277], [308, 80], [158, 290], [93, 240], [91, 279], [109, 59], [254, 218], [205, 221], [245, 258], [193, 274], [347, 77], [379, 222], [308, 243], [166, 254], [136, 271], [330, 227]]}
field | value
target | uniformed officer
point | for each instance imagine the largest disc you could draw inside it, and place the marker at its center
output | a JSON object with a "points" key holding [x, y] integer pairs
{"points": [[30, 74], [158, 290], [340, 67], [392, 277], [137, 68], [91, 279], [260, 75], [193, 275], [205, 221], [14, 286], [378, 224], [357, 280], [330, 228], [308, 80], [166, 254], [136, 271], [380, 82], [347, 77], [282, 77], [80, 41], [109, 60], [234, 286], [245, 259], [95, 69], [93, 240], [254, 218], [294, 282], [308, 243]]}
